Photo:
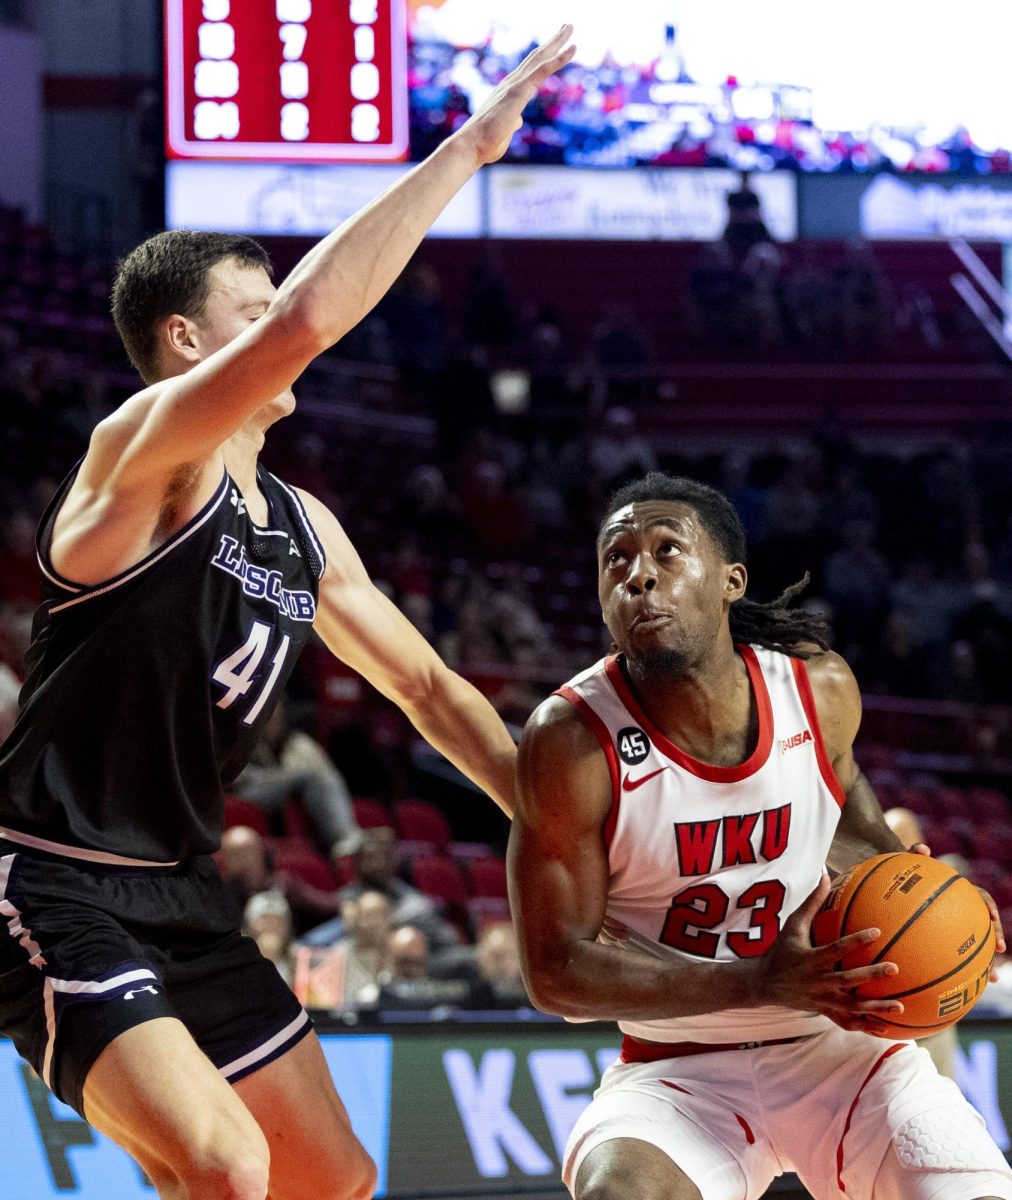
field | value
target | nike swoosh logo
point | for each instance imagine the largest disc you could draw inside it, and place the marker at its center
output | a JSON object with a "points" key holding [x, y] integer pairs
{"points": [[630, 785]]}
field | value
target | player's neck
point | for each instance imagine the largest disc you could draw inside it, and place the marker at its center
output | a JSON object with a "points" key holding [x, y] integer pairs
{"points": [[703, 708], [241, 452]]}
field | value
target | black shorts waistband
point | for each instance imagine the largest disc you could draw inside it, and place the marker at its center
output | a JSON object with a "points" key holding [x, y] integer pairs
{"points": [[16, 842]]}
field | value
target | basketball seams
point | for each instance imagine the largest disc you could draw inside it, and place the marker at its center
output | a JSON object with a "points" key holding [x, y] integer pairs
{"points": [[854, 894], [942, 978], [918, 912]]}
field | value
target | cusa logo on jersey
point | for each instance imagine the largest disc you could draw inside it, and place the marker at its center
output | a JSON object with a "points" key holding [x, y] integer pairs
{"points": [[796, 739]]}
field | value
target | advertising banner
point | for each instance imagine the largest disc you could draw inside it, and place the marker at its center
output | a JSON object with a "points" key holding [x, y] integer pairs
{"points": [[452, 1109]]}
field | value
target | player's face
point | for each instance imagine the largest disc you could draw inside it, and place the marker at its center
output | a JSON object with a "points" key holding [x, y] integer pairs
{"points": [[238, 296], [663, 584]]}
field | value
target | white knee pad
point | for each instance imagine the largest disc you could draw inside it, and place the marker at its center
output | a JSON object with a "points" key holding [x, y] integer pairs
{"points": [[944, 1154]]}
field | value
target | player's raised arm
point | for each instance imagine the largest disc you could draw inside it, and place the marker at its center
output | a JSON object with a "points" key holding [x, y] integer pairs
{"points": [[368, 632], [184, 419], [558, 875]]}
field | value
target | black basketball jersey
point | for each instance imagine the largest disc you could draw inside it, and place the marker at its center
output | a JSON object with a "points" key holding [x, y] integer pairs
{"points": [[146, 694]]}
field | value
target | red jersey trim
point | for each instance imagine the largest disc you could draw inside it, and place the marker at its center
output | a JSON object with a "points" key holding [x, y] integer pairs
{"points": [[713, 774], [850, 1112], [804, 685], [600, 731]]}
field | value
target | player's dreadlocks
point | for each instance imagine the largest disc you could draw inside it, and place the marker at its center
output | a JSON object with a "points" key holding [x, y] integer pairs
{"points": [[775, 624]]}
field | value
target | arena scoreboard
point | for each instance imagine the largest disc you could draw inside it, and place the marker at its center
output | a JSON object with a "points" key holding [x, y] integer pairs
{"points": [[286, 80]]}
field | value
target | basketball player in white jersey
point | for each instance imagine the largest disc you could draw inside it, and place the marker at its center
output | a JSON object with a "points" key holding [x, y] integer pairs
{"points": [[677, 803]]}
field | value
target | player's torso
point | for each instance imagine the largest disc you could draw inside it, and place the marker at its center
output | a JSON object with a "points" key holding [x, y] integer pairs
{"points": [[707, 862], [147, 693]]}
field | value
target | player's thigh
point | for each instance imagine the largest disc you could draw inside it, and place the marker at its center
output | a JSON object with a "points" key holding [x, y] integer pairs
{"points": [[314, 1151], [156, 1094], [624, 1167], [694, 1144]]}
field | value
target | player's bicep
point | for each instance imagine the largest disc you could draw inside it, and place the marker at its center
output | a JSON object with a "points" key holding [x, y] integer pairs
{"points": [[558, 866]]}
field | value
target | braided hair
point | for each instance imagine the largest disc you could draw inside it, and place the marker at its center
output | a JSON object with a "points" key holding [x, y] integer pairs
{"points": [[776, 624]]}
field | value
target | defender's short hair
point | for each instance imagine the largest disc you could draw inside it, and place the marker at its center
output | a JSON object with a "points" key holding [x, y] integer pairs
{"points": [[169, 273]]}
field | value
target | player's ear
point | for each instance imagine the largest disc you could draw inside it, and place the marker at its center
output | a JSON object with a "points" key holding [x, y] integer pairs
{"points": [[179, 340], [737, 582]]}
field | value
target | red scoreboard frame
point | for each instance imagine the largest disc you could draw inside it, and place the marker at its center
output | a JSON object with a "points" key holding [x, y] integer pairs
{"points": [[286, 80]]}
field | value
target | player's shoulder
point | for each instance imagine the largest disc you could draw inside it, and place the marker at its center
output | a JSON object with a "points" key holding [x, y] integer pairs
{"points": [[561, 763], [836, 695], [557, 730], [829, 672]]}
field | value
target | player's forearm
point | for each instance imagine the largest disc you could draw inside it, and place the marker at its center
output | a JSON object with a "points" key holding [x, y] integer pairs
{"points": [[862, 831], [345, 275], [598, 982], [459, 722]]}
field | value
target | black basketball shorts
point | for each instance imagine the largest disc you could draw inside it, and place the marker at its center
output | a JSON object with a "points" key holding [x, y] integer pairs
{"points": [[89, 950]]}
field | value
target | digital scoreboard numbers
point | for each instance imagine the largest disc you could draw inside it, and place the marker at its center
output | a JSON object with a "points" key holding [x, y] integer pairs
{"points": [[286, 80]]}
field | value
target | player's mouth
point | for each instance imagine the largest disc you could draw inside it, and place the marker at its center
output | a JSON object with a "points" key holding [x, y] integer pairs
{"points": [[649, 621]]}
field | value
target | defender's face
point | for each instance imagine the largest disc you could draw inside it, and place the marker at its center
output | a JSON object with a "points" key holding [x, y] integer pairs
{"points": [[239, 295], [662, 581]]}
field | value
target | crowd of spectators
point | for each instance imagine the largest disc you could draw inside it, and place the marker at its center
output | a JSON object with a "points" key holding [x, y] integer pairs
{"points": [[482, 530]]}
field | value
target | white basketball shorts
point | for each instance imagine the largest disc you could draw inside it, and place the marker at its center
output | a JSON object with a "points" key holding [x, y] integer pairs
{"points": [[856, 1117]]}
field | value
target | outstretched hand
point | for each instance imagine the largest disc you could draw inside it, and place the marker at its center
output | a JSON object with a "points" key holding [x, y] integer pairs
{"points": [[797, 975], [492, 127]]}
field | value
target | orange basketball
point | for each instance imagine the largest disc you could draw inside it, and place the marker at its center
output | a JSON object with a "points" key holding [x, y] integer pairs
{"points": [[935, 928]]}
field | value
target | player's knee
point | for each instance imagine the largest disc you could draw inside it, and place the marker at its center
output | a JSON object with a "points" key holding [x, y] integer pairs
{"points": [[619, 1182], [243, 1173], [356, 1180]]}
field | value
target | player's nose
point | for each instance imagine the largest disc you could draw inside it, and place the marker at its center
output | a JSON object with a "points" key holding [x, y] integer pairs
{"points": [[642, 575]]}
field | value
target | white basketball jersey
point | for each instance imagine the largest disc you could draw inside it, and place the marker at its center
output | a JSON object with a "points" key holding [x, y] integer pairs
{"points": [[706, 862]]}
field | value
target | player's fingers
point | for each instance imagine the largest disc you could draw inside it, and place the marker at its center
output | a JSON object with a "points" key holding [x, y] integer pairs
{"points": [[992, 908], [546, 50], [554, 64], [856, 975], [832, 952], [921, 848]]}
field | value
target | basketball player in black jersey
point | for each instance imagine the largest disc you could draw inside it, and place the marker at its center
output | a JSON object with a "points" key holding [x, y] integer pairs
{"points": [[181, 581]]}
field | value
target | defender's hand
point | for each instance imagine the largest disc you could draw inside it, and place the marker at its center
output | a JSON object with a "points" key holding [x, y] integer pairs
{"points": [[797, 975], [491, 128]]}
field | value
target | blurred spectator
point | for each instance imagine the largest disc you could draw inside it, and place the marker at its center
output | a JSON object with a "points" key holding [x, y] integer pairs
{"points": [[856, 583], [497, 957], [375, 863], [618, 451], [407, 955], [267, 919], [363, 947], [9, 689], [246, 864], [288, 763]]}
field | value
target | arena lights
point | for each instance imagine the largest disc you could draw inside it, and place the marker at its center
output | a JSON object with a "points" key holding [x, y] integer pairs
{"points": [[292, 80]]}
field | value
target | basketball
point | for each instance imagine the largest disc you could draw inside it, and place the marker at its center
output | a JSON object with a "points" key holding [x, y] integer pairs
{"points": [[935, 927]]}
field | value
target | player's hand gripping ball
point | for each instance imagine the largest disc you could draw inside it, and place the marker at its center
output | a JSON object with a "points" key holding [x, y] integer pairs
{"points": [[935, 928]]}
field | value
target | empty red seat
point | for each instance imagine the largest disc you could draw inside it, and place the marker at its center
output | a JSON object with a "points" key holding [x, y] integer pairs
{"points": [[440, 877], [422, 823], [488, 877], [370, 813], [296, 858], [245, 812]]}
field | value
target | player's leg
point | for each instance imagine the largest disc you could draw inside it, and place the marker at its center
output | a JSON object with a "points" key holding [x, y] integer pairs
{"points": [[153, 1092], [313, 1149], [624, 1167], [652, 1136], [943, 1154]]}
